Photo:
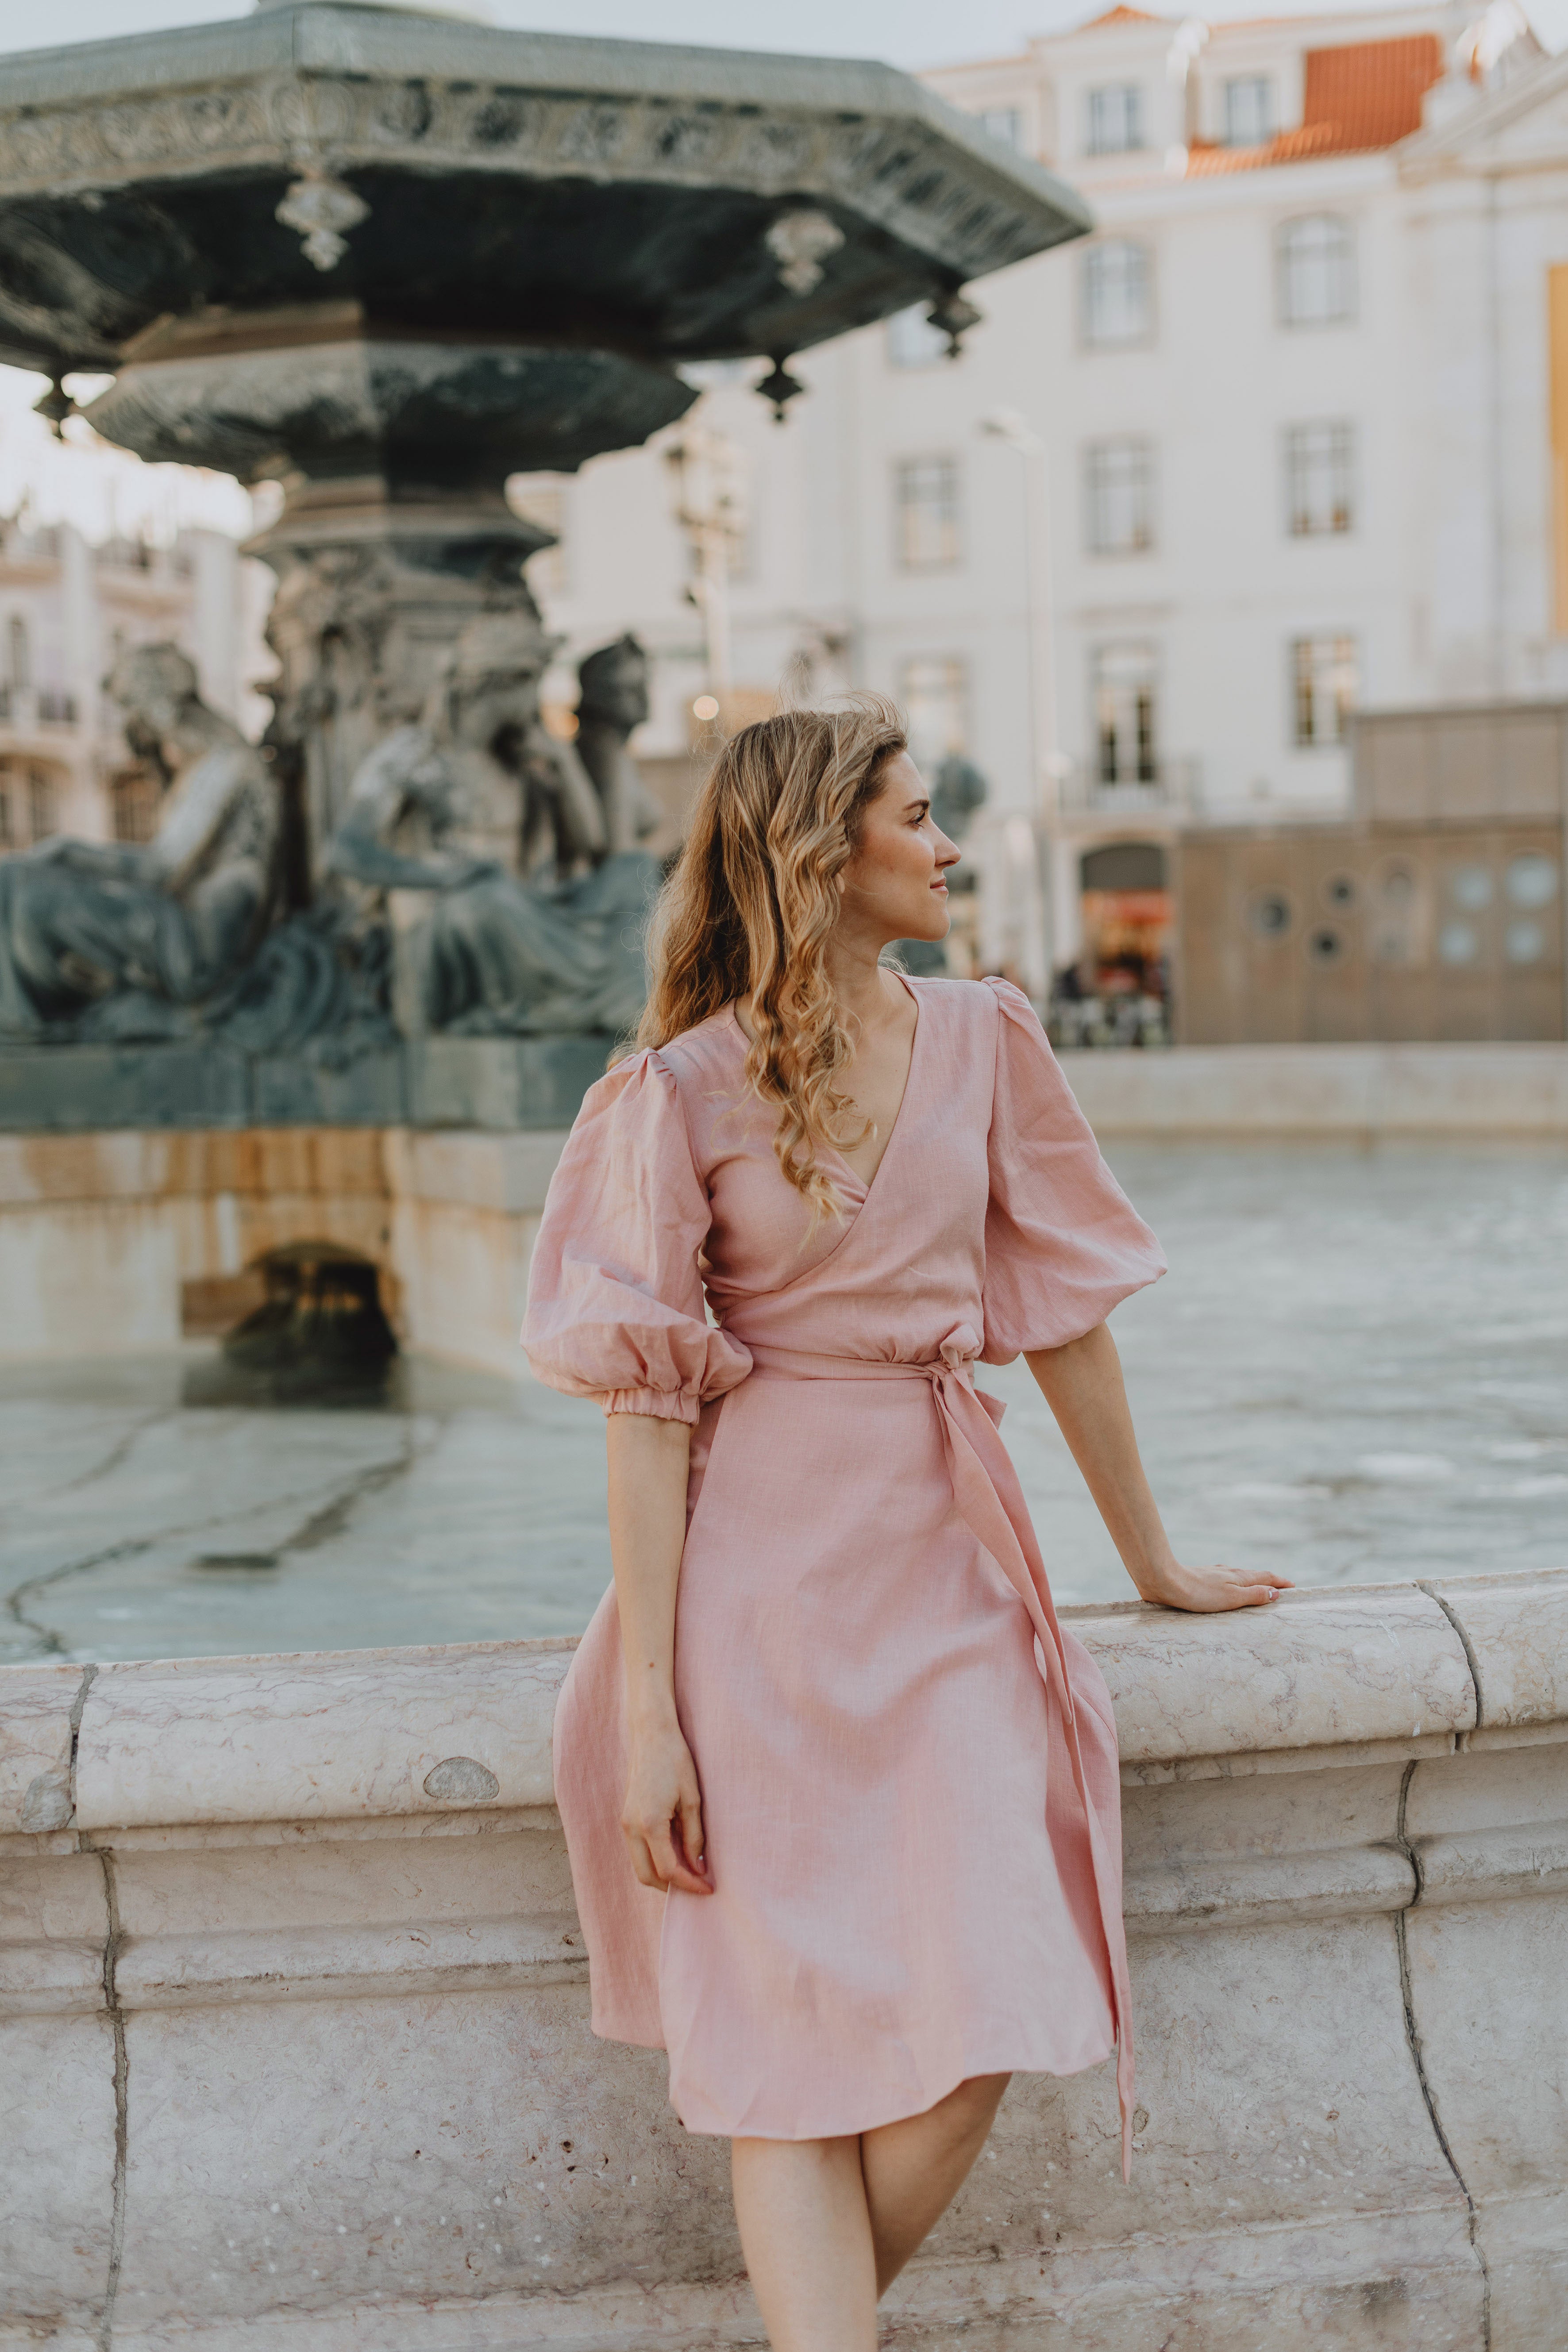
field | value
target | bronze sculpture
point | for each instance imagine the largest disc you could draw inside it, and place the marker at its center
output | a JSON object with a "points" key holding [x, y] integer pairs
{"points": [[120, 940]]}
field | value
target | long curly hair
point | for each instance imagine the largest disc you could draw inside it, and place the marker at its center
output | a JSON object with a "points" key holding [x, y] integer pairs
{"points": [[745, 916]]}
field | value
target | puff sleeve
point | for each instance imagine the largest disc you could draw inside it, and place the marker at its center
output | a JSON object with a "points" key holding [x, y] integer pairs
{"points": [[1063, 1243], [614, 1298]]}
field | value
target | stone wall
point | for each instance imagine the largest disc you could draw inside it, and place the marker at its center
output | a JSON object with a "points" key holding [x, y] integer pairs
{"points": [[294, 2050]]}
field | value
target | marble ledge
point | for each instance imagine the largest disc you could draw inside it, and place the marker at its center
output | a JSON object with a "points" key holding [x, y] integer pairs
{"points": [[1515, 1630], [36, 1708], [427, 1734]]}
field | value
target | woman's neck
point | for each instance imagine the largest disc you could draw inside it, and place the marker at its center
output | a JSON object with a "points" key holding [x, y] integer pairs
{"points": [[868, 995]]}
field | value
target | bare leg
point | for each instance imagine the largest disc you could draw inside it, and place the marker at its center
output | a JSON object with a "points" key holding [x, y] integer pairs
{"points": [[914, 2170], [806, 2235]]}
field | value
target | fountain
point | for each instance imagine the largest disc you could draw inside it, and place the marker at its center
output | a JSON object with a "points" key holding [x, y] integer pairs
{"points": [[385, 258]]}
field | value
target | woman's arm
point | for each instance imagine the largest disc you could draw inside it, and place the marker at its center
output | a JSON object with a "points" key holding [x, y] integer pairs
{"points": [[662, 1816], [1082, 1384]]}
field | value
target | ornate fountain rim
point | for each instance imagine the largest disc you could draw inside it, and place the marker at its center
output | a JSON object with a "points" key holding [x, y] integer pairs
{"points": [[321, 88]]}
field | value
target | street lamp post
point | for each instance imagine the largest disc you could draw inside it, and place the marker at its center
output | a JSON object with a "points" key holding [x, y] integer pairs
{"points": [[1006, 426], [711, 508]]}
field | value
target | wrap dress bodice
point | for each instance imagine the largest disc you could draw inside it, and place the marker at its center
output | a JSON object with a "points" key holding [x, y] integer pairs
{"points": [[908, 1766]]}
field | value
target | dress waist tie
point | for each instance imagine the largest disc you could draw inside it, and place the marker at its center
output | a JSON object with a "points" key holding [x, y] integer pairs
{"points": [[986, 1490]]}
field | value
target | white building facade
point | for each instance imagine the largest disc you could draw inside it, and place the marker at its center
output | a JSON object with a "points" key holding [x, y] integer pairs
{"points": [[1292, 409]]}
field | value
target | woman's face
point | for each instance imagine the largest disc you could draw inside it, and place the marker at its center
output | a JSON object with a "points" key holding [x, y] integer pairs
{"points": [[894, 886]]}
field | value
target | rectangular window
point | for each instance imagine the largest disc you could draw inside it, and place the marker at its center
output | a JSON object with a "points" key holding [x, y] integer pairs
{"points": [[1004, 123], [925, 494], [1118, 496], [1249, 110], [912, 341], [41, 805], [536, 498], [1117, 288], [1115, 119], [1325, 677], [21, 668], [1319, 479], [1123, 692], [934, 691], [1315, 271]]}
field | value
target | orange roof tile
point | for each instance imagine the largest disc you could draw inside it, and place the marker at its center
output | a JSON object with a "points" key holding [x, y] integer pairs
{"points": [[1121, 14], [1363, 96]]}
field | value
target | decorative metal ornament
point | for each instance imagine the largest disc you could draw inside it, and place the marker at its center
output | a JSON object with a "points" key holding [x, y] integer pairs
{"points": [[953, 316], [56, 405], [321, 209], [800, 243], [780, 387]]}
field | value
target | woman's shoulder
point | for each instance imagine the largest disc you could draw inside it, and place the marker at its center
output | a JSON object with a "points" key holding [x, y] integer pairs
{"points": [[715, 1048], [975, 1003]]}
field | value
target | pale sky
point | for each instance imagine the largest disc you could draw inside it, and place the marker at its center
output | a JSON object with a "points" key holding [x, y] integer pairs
{"points": [[906, 32]]}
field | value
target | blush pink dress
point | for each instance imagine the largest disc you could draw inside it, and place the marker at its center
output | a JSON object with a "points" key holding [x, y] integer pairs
{"points": [[908, 1769]]}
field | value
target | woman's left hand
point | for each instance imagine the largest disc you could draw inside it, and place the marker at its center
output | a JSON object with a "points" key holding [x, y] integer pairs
{"points": [[1206, 1590]]}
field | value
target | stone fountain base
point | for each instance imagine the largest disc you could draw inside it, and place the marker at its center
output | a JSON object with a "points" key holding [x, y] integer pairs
{"points": [[437, 1081], [294, 2051]]}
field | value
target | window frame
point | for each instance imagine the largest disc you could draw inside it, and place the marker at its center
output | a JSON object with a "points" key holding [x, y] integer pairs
{"points": [[959, 683], [1146, 762], [948, 507], [989, 116], [1339, 640], [1134, 140], [1345, 463], [1286, 264], [1253, 81], [1095, 488], [1094, 254]]}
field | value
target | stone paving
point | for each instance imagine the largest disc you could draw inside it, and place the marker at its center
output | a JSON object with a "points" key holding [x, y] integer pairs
{"points": [[1357, 1369]]}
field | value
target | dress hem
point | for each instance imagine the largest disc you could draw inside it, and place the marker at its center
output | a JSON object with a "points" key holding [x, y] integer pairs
{"points": [[839, 2130]]}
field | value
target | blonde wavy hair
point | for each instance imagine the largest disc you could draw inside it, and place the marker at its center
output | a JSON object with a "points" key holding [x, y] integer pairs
{"points": [[745, 916]]}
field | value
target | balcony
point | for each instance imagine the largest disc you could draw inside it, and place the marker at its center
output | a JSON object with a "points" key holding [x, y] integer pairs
{"points": [[26, 708], [1161, 791]]}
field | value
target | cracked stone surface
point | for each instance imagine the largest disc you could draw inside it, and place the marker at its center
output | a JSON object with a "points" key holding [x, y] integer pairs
{"points": [[1354, 1371]]}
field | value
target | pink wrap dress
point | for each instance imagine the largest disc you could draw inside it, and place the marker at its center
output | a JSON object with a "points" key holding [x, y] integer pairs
{"points": [[908, 1769]]}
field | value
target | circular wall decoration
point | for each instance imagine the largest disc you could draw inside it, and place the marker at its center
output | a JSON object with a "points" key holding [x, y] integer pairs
{"points": [[1458, 943], [1326, 945], [1531, 880], [1470, 886], [1525, 942], [1270, 914], [1339, 890]]}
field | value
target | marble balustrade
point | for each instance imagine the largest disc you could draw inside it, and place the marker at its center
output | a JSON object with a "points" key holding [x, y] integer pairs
{"points": [[293, 2014]]}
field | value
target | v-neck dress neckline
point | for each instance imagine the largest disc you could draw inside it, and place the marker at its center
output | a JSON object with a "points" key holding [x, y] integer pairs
{"points": [[864, 1187]]}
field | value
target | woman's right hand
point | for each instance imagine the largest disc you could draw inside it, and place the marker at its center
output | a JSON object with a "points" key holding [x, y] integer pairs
{"points": [[661, 1819]]}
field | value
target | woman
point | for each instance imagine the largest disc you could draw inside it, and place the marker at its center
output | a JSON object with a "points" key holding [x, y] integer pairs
{"points": [[845, 1831]]}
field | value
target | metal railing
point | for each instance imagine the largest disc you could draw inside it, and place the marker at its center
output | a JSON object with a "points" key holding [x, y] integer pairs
{"points": [[26, 707], [1159, 788]]}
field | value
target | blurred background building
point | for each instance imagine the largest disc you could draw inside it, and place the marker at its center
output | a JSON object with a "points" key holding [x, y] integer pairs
{"points": [[1284, 441]]}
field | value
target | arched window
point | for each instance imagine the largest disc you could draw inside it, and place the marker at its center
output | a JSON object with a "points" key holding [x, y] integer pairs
{"points": [[19, 664], [1118, 292], [1315, 271]]}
